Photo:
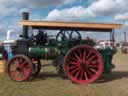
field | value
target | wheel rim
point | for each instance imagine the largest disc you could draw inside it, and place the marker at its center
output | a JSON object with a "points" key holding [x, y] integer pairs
{"points": [[83, 64], [19, 68]]}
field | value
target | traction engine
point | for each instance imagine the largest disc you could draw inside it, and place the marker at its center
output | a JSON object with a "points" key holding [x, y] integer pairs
{"points": [[78, 59]]}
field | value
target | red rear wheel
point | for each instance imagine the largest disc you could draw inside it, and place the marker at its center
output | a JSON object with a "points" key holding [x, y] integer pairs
{"points": [[83, 64], [19, 68]]}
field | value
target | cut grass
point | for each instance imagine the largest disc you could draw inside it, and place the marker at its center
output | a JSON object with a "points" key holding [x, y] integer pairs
{"points": [[120, 58], [49, 83]]}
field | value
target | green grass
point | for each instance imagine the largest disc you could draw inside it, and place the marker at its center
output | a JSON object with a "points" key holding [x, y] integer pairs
{"points": [[120, 58], [49, 83]]}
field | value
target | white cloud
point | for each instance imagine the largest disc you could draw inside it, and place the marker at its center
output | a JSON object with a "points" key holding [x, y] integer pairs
{"points": [[46, 3], [103, 7], [122, 17], [12, 7], [1, 27], [23, 10], [2, 31], [109, 7], [9, 2], [70, 14], [115, 8], [97, 8], [6, 11], [9, 8]]}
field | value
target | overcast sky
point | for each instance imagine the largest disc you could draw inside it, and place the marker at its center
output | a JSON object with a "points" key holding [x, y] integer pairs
{"points": [[100, 11]]}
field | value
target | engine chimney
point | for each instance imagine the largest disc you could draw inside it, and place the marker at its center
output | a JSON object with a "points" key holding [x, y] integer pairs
{"points": [[25, 16]]}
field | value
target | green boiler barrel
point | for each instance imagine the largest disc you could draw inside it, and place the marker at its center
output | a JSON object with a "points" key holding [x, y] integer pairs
{"points": [[44, 52]]}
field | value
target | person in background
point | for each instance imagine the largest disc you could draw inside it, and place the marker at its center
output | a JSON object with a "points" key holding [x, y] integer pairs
{"points": [[12, 52]]}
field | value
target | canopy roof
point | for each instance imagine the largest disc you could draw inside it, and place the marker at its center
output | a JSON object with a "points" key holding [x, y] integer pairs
{"points": [[101, 27]]}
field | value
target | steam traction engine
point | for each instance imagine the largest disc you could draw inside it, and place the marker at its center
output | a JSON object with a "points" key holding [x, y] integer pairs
{"points": [[79, 59]]}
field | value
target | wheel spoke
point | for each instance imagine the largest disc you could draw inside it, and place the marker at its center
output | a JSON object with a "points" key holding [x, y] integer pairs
{"points": [[74, 63], [88, 55], [20, 60], [74, 59], [24, 62], [81, 74], [77, 57], [93, 70], [80, 53], [92, 66], [13, 74], [86, 76], [89, 74], [26, 71], [72, 67], [76, 69], [17, 76], [12, 70], [13, 67], [16, 61], [84, 55], [91, 58], [78, 72], [94, 62], [26, 66], [22, 74]]}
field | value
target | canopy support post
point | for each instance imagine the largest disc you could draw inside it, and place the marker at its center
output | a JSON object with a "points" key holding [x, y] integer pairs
{"points": [[112, 35]]}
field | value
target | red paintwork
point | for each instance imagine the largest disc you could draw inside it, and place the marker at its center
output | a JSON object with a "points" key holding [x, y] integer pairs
{"points": [[19, 63], [83, 64]]}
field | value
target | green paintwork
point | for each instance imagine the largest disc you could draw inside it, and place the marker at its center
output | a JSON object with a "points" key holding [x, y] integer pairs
{"points": [[44, 52], [61, 48], [107, 55]]}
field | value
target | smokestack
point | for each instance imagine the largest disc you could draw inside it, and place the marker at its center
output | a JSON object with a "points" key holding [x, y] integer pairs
{"points": [[25, 16]]}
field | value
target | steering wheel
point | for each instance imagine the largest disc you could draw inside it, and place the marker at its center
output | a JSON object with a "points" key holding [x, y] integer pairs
{"points": [[66, 35]]}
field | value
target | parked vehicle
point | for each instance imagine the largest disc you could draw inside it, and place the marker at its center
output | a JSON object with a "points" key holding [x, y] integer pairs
{"points": [[124, 48], [79, 59]]}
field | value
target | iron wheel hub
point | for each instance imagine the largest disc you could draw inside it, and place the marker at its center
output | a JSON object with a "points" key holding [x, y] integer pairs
{"points": [[19, 69], [83, 66]]}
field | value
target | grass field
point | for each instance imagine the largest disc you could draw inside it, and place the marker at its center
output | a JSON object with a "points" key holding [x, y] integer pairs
{"points": [[120, 58], [49, 83]]}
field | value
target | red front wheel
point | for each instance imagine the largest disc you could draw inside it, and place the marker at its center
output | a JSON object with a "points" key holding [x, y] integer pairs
{"points": [[83, 64], [19, 68]]}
